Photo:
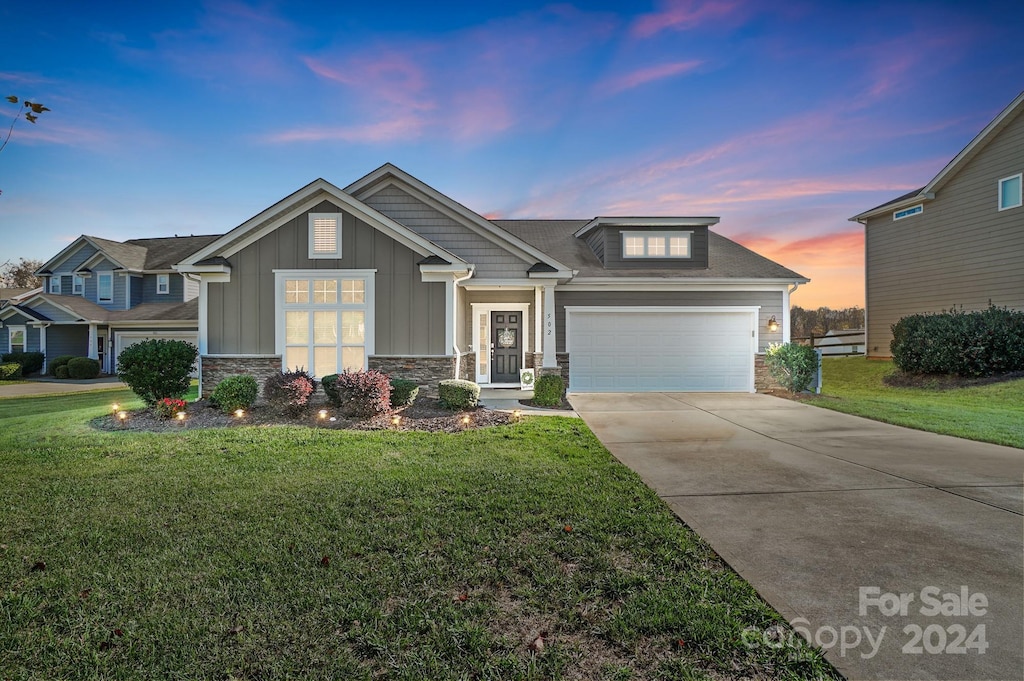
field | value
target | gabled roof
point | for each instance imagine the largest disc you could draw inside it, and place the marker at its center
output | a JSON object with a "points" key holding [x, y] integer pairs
{"points": [[663, 222], [165, 252], [299, 202], [87, 311], [489, 229], [927, 192], [8, 310], [726, 258], [134, 255]]}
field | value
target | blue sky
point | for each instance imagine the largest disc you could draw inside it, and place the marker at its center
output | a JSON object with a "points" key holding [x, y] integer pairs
{"points": [[784, 119]]}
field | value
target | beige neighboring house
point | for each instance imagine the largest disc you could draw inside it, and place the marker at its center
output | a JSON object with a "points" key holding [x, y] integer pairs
{"points": [[956, 242]]}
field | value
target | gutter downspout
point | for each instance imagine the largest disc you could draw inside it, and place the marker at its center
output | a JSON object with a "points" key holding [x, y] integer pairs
{"points": [[455, 324]]}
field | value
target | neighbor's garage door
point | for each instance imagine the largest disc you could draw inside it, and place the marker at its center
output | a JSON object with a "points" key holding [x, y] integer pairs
{"points": [[126, 338], [680, 350]]}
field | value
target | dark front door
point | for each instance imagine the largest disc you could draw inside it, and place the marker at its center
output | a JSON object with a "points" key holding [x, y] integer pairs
{"points": [[506, 346]]}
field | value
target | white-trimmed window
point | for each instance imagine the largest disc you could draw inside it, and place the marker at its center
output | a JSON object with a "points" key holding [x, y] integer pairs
{"points": [[16, 338], [325, 235], [907, 212], [55, 284], [105, 287], [325, 319], [77, 284], [656, 245], [1010, 192], [163, 284]]}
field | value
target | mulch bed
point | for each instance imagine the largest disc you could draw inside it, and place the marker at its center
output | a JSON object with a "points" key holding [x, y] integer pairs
{"points": [[425, 414]]}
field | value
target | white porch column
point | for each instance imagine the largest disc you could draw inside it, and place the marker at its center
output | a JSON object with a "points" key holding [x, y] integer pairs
{"points": [[204, 304], [92, 342], [785, 315], [538, 319], [451, 314], [42, 344], [550, 338]]}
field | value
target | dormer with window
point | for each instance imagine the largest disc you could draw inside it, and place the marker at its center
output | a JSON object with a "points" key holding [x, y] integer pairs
{"points": [[649, 243]]}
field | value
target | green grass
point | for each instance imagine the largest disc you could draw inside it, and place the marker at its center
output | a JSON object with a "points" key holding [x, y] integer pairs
{"points": [[283, 552], [988, 413]]}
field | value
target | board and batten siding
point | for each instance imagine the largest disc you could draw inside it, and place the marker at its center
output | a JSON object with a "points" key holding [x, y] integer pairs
{"points": [[962, 251], [769, 301], [409, 315], [491, 260]]}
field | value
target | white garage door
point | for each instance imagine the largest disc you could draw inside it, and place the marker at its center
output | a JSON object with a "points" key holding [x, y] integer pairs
{"points": [[661, 350], [126, 338]]}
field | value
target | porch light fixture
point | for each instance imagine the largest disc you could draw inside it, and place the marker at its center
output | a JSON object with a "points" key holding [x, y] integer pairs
{"points": [[773, 324]]}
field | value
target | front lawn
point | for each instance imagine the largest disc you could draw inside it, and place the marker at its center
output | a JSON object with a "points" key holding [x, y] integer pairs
{"points": [[989, 413], [516, 552]]}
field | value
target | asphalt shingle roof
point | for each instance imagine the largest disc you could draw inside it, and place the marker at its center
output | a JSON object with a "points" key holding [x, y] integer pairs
{"points": [[171, 312]]}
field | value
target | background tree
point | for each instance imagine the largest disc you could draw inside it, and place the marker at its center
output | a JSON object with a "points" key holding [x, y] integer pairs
{"points": [[20, 274], [35, 110], [805, 323]]}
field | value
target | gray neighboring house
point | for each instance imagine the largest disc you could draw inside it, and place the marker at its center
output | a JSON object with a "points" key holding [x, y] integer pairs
{"points": [[956, 242], [100, 296], [388, 273]]}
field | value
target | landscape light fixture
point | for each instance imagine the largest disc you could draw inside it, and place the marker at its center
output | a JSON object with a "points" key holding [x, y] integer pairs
{"points": [[115, 407], [239, 413], [180, 416], [322, 413], [123, 415], [396, 420], [773, 324], [465, 420]]}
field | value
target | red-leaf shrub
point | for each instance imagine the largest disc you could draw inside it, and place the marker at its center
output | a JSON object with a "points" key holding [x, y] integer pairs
{"points": [[359, 393], [289, 391], [167, 407]]}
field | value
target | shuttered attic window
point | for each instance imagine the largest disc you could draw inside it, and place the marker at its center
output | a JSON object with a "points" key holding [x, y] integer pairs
{"points": [[324, 235]]}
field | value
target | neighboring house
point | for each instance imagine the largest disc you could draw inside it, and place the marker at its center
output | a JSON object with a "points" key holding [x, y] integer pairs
{"points": [[843, 342], [16, 295], [955, 243], [390, 274], [100, 296]]}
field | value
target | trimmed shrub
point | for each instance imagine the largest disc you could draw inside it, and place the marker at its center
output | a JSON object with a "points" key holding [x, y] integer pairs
{"points": [[157, 368], [30, 362], [458, 394], [235, 392], [961, 343], [83, 368], [359, 393], [793, 366], [548, 390], [56, 362], [167, 407], [289, 391], [403, 392], [10, 371], [62, 372]]}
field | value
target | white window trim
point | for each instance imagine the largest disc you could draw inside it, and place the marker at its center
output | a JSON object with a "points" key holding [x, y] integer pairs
{"points": [[688, 235], [478, 342], [55, 279], [77, 285], [336, 253], [24, 335], [896, 214], [369, 305], [1020, 191], [163, 281], [99, 278]]}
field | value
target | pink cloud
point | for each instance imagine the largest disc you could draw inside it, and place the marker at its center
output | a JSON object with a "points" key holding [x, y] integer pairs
{"points": [[395, 130], [683, 15], [646, 75]]}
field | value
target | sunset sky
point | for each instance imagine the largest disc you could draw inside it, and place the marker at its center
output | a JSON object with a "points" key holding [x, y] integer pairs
{"points": [[784, 119]]}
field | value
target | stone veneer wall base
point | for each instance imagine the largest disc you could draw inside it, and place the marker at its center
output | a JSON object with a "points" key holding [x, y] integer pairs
{"points": [[215, 368], [763, 379], [426, 371]]}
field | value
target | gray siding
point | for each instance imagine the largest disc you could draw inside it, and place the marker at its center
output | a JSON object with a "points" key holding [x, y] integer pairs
{"points": [[409, 314], [53, 313], [91, 286], [770, 302], [596, 242], [148, 294], [613, 250], [18, 320], [67, 339], [960, 252], [75, 260], [491, 260], [190, 287]]}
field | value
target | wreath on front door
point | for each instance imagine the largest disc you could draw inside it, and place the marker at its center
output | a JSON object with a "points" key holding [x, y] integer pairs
{"points": [[506, 337]]}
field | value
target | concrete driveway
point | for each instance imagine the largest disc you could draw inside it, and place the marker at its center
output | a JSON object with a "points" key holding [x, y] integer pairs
{"points": [[865, 536]]}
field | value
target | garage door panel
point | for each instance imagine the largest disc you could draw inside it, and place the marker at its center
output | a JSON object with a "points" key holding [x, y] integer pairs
{"points": [[661, 351]]}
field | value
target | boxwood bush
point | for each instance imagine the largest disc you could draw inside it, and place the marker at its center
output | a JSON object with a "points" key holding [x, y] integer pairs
{"points": [[792, 365], [290, 391], [83, 368], [10, 371], [403, 392], [968, 344], [30, 362], [359, 393], [548, 390], [458, 394], [157, 368], [57, 362], [235, 392], [61, 371]]}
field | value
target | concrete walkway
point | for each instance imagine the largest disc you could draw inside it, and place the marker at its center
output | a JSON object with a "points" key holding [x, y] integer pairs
{"points": [[834, 518], [55, 386]]}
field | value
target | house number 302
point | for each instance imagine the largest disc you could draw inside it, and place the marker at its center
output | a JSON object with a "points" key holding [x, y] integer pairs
{"points": [[551, 324]]}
